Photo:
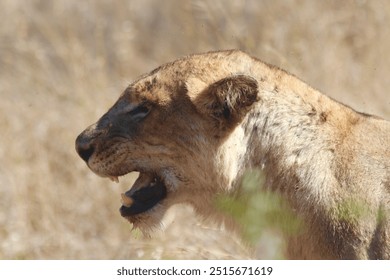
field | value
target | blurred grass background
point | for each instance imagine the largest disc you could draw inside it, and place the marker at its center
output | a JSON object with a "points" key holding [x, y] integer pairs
{"points": [[63, 64]]}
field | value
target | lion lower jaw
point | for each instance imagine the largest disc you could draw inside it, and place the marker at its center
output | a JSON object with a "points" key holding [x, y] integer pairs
{"points": [[146, 192]]}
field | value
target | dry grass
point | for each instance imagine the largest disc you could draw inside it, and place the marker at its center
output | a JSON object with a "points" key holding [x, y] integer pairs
{"points": [[63, 63]]}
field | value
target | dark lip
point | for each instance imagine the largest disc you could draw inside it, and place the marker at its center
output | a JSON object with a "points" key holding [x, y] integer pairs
{"points": [[144, 198]]}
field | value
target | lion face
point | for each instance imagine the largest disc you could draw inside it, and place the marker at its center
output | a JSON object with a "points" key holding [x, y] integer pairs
{"points": [[169, 129]]}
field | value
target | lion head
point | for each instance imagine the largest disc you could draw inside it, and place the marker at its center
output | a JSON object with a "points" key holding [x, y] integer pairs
{"points": [[173, 126]]}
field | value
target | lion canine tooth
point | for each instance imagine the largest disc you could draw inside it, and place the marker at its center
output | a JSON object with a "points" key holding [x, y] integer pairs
{"points": [[126, 201], [114, 179]]}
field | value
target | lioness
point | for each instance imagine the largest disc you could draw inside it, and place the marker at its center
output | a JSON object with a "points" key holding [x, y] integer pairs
{"points": [[193, 126]]}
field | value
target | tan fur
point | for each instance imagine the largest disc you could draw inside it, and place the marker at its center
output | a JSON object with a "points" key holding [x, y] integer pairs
{"points": [[215, 115]]}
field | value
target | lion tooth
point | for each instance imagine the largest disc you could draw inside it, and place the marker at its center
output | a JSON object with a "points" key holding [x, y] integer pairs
{"points": [[126, 201], [114, 179]]}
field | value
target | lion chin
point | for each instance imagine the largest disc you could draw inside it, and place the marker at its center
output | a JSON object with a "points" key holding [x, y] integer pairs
{"points": [[143, 205]]}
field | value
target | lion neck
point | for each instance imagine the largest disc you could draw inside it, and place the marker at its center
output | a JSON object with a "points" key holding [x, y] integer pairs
{"points": [[282, 138]]}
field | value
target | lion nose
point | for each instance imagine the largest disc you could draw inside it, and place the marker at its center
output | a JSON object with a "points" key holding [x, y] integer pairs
{"points": [[84, 147]]}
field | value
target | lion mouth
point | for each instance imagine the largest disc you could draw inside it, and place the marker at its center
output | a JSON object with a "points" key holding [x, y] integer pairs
{"points": [[147, 191]]}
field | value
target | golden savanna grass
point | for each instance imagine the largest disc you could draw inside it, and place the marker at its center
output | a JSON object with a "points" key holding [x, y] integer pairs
{"points": [[64, 63]]}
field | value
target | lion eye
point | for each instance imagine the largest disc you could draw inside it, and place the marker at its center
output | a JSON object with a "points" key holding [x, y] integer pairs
{"points": [[139, 112]]}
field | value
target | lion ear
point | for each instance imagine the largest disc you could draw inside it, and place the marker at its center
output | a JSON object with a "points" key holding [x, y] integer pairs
{"points": [[227, 100]]}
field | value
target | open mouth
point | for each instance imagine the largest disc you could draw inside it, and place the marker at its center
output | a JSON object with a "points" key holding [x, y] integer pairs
{"points": [[147, 191]]}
